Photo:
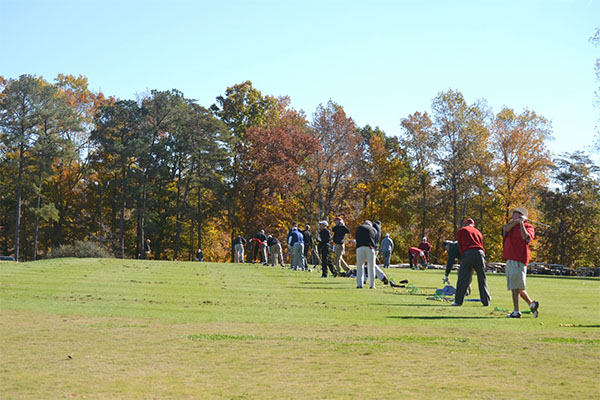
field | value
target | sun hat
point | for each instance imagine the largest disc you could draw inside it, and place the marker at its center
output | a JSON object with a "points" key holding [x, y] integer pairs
{"points": [[520, 210]]}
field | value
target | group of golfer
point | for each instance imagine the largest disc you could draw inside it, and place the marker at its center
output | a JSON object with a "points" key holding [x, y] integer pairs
{"points": [[468, 248]]}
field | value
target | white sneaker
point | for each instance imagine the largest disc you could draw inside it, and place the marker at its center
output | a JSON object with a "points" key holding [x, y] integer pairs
{"points": [[514, 314]]}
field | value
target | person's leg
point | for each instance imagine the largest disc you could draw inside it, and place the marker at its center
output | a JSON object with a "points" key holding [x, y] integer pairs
{"points": [[301, 256], [280, 251], [295, 249], [386, 259], [515, 299], [410, 259], [360, 260], [265, 254], [371, 267], [337, 256], [242, 252], [290, 250], [379, 274], [343, 262], [525, 296], [323, 261], [484, 293], [305, 258], [464, 273]]}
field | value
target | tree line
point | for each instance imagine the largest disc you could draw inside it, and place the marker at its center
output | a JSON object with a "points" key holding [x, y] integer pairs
{"points": [[78, 165]]}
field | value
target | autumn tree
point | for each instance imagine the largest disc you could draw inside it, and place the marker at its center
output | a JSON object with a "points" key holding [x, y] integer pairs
{"points": [[21, 107], [276, 157], [572, 210], [202, 162], [421, 142], [522, 159], [119, 132], [331, 172], [463, 140], [241, 108], [57, 119]]}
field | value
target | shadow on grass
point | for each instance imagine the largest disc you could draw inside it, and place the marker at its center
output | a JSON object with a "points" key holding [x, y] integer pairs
{"points": [[439, 317], [317, 288], [578, 326], [322, 283], [412, 305]]}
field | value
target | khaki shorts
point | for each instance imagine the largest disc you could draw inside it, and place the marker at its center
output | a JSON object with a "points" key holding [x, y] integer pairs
{"points": [[516, 274]]}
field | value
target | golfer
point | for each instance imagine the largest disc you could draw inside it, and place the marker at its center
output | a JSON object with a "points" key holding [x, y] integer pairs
{"points": [[470, 246], [517, 236], [365, 236]]}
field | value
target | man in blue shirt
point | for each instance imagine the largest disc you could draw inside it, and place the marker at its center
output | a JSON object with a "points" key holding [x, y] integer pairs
{"points": [[296, 245]]}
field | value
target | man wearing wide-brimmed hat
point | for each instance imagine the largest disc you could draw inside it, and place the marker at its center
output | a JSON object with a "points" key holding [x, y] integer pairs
{"points": [[517, 236]]}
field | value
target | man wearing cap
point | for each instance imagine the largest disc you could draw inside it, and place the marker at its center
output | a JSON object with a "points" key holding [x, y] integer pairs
{"points": [[425, 246], [365, 236], [324, 239], [340, 230], [517, 236], [470, 246], [387, 246], [296, 244], [308, 243]]}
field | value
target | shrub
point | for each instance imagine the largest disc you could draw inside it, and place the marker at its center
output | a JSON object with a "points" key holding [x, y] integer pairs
{"points": [[81, 249]]}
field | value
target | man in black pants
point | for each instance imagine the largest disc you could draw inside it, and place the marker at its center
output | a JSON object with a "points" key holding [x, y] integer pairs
{"points": [[470, 246], [324, 239], [308, 243]]}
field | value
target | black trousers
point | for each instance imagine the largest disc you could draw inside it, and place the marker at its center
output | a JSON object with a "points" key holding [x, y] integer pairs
{"points": [[326, 261], [472, 259]]}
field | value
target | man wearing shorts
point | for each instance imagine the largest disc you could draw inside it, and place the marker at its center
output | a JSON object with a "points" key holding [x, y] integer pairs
{"points": [[517, 236]]}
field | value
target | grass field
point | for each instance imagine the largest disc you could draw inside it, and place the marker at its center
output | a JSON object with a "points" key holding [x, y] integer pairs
{"points": [[125, 329]]}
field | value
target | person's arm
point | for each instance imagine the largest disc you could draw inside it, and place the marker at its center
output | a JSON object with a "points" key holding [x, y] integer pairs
{"points": [[506, 228], [524, 233]]}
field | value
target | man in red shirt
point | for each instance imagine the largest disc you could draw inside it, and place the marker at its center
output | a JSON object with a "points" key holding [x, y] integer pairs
{"points": [[517, 236], [470, 246], [413, 257], [425, 246]]}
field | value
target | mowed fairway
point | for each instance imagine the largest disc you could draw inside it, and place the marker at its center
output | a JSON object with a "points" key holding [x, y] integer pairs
{"points": [[125, 329]]}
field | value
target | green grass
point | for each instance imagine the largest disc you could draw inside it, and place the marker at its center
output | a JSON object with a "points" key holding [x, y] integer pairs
{"points": [[128, 329]]}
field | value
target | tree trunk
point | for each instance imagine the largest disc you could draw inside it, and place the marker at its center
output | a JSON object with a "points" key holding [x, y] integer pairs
{"points": [[37, 218], [122, 217], [454, 203], [179, 215], [19, 193]]}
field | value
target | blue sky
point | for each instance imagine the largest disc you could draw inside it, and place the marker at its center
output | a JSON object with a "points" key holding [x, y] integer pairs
{"points": [[380, 60]]}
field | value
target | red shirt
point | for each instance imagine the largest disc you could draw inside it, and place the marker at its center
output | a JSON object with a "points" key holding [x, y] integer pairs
{"points": [[415, 251], [515, 248], [469, 238], [425, 246]]}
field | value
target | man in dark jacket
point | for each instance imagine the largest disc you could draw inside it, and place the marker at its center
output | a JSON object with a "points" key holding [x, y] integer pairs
{"points": [[324, 243], [366, 237], [308, 244], [340, 230], [453, 254], [275, 253], [238, 246], [260, 241]]}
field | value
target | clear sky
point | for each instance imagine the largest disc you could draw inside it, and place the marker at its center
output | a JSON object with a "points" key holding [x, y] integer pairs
{"points": [[380, 60]]}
